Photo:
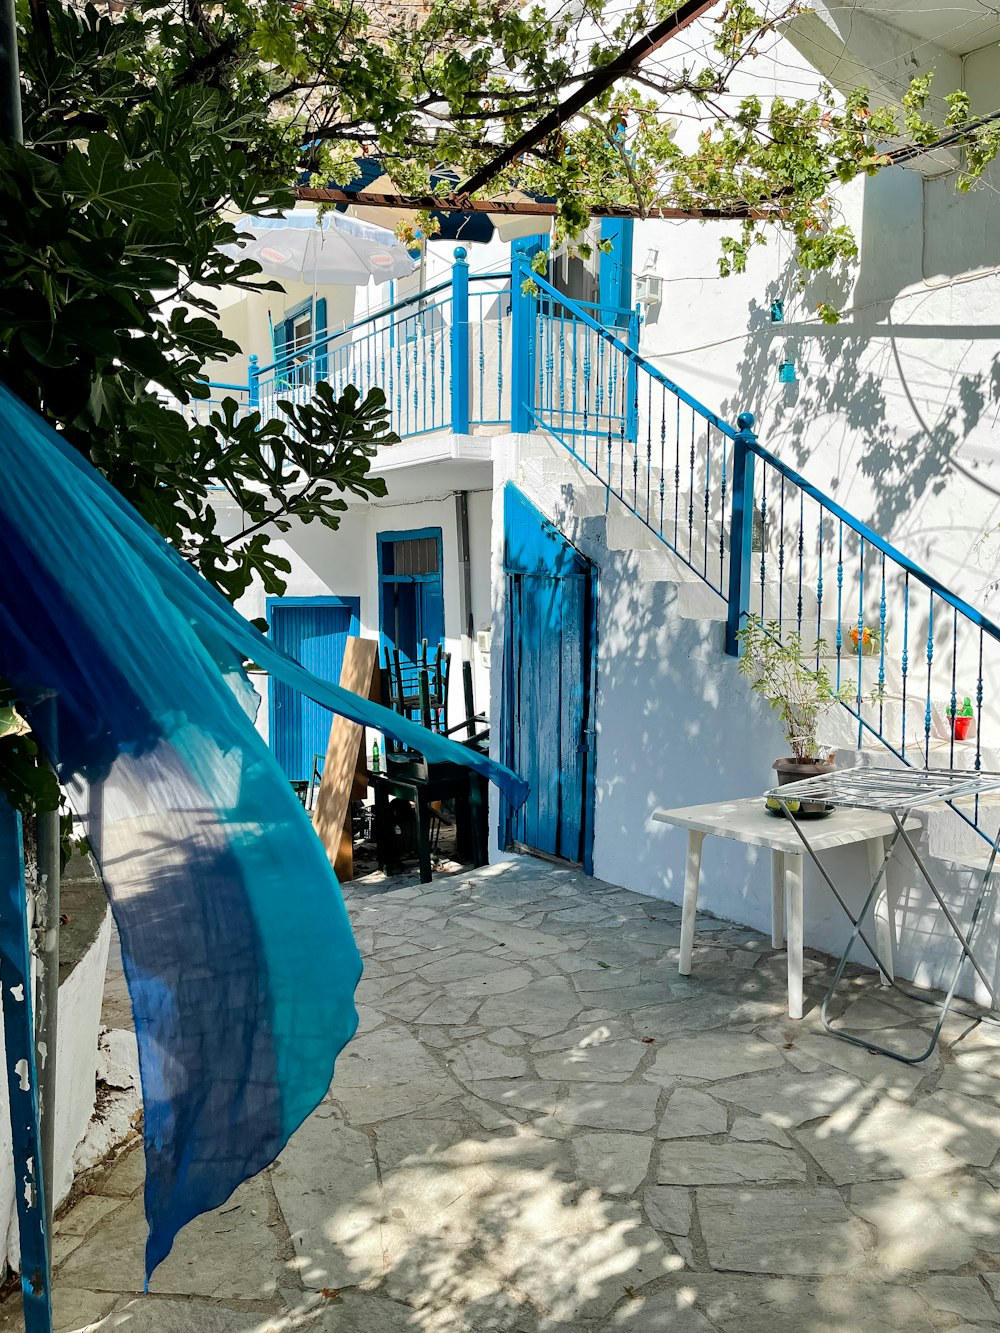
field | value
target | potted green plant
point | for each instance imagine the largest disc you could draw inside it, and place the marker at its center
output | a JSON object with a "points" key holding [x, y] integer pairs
{"points": [[961, 720], [799, 690]]}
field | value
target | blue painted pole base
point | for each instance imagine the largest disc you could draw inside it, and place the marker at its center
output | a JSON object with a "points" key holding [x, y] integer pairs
{"points": [[22, 1081]]}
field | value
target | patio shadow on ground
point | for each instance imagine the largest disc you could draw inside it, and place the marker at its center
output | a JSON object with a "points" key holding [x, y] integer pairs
{"points": [[541, 1126]]}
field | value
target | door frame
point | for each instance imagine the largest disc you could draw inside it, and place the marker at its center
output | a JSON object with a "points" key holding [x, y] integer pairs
{"points": [[383, 539], [352, 604], [591, 577]]}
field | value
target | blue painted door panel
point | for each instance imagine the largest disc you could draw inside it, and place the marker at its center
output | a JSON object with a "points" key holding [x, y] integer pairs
{"points": [[548, 682], [410, 590], [315, 632], [615, 271]]}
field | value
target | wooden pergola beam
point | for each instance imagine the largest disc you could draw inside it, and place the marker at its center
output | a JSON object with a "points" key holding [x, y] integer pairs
{"points": [[515, 207], [591, 87]]}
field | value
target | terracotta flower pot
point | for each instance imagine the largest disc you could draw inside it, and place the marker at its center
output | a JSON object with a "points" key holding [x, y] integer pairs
{"points": [[961, 726], [791, 769]]}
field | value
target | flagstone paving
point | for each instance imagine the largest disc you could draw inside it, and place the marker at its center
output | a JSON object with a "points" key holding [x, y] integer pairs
{"points": [[540, 1126]]}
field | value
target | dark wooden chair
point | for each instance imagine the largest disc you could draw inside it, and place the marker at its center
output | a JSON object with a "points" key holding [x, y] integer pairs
{"points": [[420, 691]]}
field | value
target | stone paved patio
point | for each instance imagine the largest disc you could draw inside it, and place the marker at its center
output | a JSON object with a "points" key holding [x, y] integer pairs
{"points": [[540, 1126]]}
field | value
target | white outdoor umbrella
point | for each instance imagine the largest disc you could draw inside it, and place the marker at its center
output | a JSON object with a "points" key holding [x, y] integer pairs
{"points": [[338, 251]]}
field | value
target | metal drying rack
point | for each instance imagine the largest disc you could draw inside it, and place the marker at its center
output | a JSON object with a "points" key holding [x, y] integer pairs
{"points": [[896, 792]]}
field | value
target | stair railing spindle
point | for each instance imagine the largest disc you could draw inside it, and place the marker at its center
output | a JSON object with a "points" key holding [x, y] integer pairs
{"points": [[954, 695], [905, 657], [819, 584], [840, 596], [881, 652], [930, 661], [861, 634], [802, 548]]}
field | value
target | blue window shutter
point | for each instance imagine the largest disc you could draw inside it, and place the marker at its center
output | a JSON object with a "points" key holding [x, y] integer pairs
{"points": [[279, 340], [279, 337], [322, 357], [615, 272]]}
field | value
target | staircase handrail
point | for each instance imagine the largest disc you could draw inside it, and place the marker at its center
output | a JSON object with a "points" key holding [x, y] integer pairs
{"points": [[577, 310], [873, 539], [745, 439]]}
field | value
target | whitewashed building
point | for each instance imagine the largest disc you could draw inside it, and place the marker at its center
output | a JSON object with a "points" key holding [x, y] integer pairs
{"points": [[561, 507]]}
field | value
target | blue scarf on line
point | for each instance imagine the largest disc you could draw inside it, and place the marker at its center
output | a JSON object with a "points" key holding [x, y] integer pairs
{"points": [[238, 953]]}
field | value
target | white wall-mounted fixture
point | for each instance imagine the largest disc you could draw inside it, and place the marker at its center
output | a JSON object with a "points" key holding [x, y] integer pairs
{"points": [[648, 289], [648, 283], [484, 643]]}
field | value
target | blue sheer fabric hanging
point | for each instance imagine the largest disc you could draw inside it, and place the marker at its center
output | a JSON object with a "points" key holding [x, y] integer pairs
{"points": [[237, 949]]}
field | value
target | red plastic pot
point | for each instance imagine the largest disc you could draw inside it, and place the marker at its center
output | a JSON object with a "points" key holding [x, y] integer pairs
{"points": [[961, 726]]}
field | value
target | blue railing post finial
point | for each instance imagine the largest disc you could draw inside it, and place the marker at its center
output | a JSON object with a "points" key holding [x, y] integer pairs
{"points": [[522, 321], [632, 376], [253, 381], [740, 531], [460, 343]]}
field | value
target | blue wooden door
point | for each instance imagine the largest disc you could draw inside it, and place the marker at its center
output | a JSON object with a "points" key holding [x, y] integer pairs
{"points": [[314, 630], [410, 590], [548, 685]]}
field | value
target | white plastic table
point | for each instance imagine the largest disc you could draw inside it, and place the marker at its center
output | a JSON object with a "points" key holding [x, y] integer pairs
{"points": [[747, 821]]}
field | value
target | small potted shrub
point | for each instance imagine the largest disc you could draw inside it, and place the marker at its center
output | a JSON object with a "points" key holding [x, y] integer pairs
{"points": [[961, 720], [799, 691]]}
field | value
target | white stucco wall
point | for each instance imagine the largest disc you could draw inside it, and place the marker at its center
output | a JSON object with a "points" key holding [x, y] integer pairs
{"points": [[344, 563], [895, 409], [677, 725]]}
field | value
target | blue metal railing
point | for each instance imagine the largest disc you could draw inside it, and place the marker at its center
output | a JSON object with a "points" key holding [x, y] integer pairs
{"points": [[771, 544], [661, 452], [878, 612], [511, 349], [438, 356]]}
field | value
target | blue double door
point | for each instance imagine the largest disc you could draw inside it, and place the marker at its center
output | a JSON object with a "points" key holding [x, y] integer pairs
{"points": [[548, 686], [314, 630]]}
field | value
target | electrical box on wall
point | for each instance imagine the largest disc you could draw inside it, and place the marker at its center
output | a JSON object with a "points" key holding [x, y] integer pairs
{"points": [[484, 644]]}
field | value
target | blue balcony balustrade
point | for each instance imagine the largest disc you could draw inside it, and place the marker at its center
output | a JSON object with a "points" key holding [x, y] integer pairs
{"points": [[443, 358], [438, 356]]}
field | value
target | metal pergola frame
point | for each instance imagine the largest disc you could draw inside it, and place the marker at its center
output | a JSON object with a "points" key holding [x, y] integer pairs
{"points": [[897, 792]]}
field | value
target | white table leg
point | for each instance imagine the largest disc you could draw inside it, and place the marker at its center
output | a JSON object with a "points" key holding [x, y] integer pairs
{"points": [[793, 900], [777, 899], [692, 874], [885, 925]]}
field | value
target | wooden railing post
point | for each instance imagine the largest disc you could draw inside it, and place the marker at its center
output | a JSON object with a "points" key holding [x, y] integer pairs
{"points": [[740, 531], [460, 343]]}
